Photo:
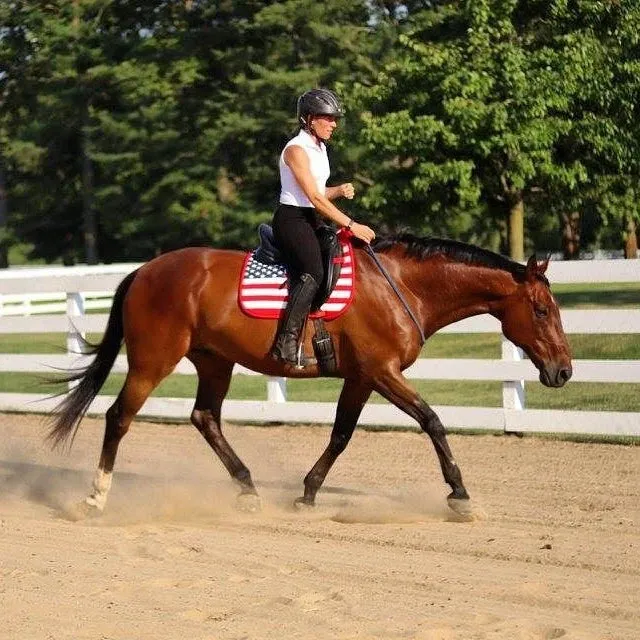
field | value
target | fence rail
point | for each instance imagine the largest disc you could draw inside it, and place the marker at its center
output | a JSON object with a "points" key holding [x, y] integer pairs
{"points": [[30, 298]]}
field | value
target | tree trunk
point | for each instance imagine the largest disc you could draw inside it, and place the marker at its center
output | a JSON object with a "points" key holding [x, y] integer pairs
{"points": [[631, 239], [516, 229], [88, 213], [4, 220], [571, 235]]}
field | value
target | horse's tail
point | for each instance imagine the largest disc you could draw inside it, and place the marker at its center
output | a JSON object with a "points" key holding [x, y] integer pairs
{"points": [[69, 412]]}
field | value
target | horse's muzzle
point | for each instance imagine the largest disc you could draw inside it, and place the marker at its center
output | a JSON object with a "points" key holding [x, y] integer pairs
{"points": [[555, 376]]}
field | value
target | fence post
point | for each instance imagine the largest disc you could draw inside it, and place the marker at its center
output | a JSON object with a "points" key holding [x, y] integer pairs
{"points": [[276, 389], [512, 390], [75, 309]]}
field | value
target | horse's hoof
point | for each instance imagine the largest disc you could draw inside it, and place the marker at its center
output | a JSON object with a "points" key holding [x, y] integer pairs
{"points": [[82, 511], [466, 510], [248, 503], [300, 504]]}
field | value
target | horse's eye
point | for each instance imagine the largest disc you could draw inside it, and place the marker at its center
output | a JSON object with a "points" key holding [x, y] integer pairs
{"points": [[541, 312]]}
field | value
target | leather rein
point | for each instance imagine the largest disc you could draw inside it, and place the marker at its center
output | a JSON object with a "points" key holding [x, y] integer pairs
{"points": [[397, 291]]}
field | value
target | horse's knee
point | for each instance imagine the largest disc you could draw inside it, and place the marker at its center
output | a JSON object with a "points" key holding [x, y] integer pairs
{"points": [[433, 427], [338, 443], [206, 424], [198, 419], [202, 419]]}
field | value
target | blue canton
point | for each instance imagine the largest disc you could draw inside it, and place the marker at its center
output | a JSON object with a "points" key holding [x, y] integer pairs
{"points": [[257, 270]]}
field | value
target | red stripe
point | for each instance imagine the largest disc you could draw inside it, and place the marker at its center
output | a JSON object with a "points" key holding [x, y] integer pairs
{"points": [[255, 286], [260, 283], [266, 285], [284, 294]]}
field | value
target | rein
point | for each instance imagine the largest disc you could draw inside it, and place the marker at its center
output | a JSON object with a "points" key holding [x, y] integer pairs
{"points": [[397, 291]]}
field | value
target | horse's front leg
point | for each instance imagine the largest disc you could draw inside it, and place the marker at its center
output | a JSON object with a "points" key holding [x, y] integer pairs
{"points": [[353, 397], [395, 388]]}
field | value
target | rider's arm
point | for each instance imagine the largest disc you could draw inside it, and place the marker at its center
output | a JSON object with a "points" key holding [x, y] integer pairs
{"points": [[298, 161], [345, 190]]}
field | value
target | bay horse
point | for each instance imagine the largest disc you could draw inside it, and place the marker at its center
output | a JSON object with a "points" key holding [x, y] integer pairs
{"points": [[185, 304]]}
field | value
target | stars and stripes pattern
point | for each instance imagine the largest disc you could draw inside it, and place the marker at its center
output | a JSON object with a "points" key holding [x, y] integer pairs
{"points": [[263, 290]]}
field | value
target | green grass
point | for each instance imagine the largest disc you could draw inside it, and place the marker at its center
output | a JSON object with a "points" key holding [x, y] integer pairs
{"points": [[579, 396], [584, 346], [446, 345], [39, 342], [619, 295]]}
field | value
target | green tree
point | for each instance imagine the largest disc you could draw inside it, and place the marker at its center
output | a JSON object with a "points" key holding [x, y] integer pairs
{"points": [[154, 190], [100, 130], [17, 97], [46, 106], [605, 38], [156, 125], [464, 124], [269, 57]]}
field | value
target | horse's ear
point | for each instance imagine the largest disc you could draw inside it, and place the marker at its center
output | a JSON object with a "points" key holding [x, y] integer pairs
{"points": [[535, 268], [542, 267]]}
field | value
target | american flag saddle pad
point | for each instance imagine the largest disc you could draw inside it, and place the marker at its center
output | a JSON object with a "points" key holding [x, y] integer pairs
{"points": [[263, 291]]}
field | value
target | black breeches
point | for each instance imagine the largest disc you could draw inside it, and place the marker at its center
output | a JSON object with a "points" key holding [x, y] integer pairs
{"points": [[294, 232]]}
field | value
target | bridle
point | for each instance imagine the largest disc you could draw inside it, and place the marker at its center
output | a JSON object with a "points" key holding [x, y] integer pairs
{"points": [[397, 291]]}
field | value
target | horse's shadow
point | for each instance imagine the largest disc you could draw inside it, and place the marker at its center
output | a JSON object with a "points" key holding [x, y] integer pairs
{"points": [[51, 486], [43, 484]]}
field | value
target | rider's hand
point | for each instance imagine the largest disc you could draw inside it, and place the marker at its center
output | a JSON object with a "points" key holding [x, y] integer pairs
{"points": [[362, 232], [347, 190]]}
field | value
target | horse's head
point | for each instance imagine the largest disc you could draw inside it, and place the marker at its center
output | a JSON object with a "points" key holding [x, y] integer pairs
{"points": [[531, 319]]}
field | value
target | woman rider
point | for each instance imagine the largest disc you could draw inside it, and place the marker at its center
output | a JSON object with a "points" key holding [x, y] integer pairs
{"points": [[304, 199]]}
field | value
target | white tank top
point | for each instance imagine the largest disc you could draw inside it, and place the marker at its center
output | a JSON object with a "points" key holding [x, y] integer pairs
{"points": [[290, 190]]}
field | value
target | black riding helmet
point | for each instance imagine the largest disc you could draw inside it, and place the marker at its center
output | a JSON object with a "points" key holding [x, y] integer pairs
{"points": [[318, 102]]}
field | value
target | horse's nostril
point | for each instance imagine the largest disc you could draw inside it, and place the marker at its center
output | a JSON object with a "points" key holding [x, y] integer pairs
{"points": [[564, 374]]}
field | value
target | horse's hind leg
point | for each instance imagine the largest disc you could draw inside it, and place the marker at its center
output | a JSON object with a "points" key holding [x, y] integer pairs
{"points": [[134, 392], [353, 397], [214, 378]]}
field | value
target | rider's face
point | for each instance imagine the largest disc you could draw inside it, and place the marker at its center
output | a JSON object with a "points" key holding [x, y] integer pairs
{"points": [[323, 126]]}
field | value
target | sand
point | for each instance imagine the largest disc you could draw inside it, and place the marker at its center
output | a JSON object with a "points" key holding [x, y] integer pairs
{"points": [[380, 557]]}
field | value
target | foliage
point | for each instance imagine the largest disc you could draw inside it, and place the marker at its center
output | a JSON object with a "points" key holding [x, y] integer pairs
{"points": [[495, 103], [154, 125], [606, 130]]}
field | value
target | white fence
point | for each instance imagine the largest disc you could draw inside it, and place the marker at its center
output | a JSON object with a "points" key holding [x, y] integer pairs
{"points": [[30, 298]]}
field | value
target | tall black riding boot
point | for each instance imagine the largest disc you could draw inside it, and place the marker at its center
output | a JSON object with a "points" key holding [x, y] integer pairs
{"points": [[301, 296]]}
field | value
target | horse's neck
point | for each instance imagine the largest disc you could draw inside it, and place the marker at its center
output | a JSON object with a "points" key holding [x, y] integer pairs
{"points": [[451, 291]]}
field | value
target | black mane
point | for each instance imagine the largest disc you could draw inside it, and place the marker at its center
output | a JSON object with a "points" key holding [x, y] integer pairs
{"points": [[422, 248]]}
